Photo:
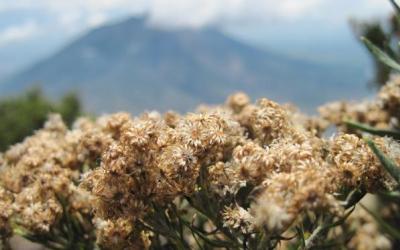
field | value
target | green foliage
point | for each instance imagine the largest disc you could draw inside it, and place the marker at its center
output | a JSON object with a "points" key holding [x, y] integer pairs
{"points": [[380, 132], [69, 108], [382, 56], [387, 163], [386, 197], [381, 39], [385, 48], [21, 115], [395, 6]]}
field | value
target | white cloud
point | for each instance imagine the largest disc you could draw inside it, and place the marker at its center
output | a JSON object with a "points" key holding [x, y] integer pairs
{"points": [[97, 19], [201, 12], [293, 9], [78, 14], [8, 5], [69, 18], [18, 33], [183, 12]]}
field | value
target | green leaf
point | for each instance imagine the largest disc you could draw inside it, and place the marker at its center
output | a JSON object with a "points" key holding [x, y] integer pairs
{"points": [[353, 198], [387, 163], [381, 55], [212, 242], [372, 130], [300, 233], [40, 239], [396, 6], [393, 195]]}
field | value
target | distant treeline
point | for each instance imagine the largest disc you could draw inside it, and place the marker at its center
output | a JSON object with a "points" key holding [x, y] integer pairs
{"points": [[21, 115]]}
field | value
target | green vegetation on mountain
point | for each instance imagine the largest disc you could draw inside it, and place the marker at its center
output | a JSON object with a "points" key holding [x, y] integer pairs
{"points": [[21, 115]]}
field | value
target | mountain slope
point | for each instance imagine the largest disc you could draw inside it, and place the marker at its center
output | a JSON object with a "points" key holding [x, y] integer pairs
{"points": [[133, 66]]}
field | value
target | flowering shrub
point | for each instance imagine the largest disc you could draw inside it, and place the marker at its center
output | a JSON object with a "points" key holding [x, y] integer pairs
{"points": [[234, 176]]}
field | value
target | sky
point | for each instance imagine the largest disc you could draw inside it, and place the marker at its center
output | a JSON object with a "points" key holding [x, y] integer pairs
{"points": [[32, 29]]}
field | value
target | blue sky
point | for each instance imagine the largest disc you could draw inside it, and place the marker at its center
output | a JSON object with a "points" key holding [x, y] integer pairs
{"points": [[31, 29]]}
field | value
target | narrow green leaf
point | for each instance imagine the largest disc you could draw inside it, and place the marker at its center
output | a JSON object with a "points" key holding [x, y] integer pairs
{"points": [[393, 195], [353, 198], [381, 55], [387, 163], [212, 242], [300, 233], [372, 130], [396, 6]]}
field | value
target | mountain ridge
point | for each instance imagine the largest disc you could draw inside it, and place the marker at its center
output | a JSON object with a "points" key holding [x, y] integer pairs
{"points": [[133, 66]]}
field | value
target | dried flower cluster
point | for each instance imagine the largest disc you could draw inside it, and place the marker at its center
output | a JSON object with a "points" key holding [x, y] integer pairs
{"points": [[381, 112], [237, 175], [44, 170]]}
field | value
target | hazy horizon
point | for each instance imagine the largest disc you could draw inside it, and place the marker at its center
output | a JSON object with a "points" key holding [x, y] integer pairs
{"points": [[316, 33], [315, 30]]}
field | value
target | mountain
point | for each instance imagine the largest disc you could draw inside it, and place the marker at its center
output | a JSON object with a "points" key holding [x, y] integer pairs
{"points": [[134, 66]]}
